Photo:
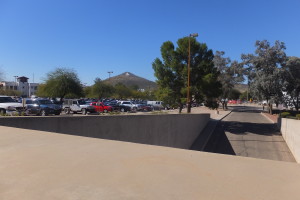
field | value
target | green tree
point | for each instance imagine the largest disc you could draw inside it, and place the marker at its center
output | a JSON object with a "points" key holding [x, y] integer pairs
{"points": [[10, 92], [292, 82], [62, 82], [231, 73], [122, 92], [265, 71], [171, 71], [245, 96], [88, 92], [101, 89], [234, 94]]}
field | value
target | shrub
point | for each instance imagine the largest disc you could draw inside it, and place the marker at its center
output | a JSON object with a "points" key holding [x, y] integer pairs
{"points": [[298, 116], [285, 114]]}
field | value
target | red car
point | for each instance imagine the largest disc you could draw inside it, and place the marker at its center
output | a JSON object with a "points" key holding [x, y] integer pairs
{"points": [[100, 107]]}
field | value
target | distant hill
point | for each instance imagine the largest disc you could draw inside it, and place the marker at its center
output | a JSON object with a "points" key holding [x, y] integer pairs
{"points": [[130, 79], [241, 87]]}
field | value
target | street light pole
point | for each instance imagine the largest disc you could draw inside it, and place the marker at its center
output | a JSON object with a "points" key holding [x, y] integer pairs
{"points": [[16, 78], [189, 71], [109, 74]]}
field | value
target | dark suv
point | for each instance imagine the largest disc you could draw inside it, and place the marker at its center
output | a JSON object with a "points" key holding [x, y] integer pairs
{"points": [[40, 106]]}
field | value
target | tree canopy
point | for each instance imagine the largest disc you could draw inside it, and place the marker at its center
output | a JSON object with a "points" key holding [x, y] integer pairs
{"points": [[292, 82], [171, 72], [62, 82], [265, 70], [231, 73]]}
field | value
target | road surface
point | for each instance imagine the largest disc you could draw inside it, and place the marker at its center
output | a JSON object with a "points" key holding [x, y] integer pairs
{"points": [[245, 132]]}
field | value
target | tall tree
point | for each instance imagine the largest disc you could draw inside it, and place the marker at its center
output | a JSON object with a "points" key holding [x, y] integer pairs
{"points": [[171, 71], [231, 73], [62, 82], [122, 92], [292, 82], [266, 70], [101, 89]]}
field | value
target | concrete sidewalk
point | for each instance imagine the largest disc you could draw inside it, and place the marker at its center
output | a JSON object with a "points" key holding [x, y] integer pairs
{"points": [[39, 165]]}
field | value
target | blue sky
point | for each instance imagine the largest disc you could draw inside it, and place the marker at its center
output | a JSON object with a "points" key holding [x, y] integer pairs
{"points": [[94, 37]]}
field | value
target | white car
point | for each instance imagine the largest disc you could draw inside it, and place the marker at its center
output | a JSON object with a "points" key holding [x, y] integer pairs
{"points": [[128, 104], [8, 105]]}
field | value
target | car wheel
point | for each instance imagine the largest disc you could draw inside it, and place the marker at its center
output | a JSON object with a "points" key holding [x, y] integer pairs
{"points": [[84, 111], [105, 111], [27, 112], [122, 110], [67, 110], [2, 111], [43, 113]]}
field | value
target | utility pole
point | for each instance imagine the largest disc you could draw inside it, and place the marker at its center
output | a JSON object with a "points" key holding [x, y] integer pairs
{"points": [[188, 99]]}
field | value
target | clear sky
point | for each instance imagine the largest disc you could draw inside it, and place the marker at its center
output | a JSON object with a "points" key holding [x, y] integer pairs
{"points": [[94, 37]]}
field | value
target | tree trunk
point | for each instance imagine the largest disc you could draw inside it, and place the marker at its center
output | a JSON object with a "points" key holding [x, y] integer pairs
{"points": [[297, 104], [270, 109], [189, 107], [180, 108], [223, 105]]}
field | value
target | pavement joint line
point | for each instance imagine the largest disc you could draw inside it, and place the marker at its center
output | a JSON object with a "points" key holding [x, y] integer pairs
{"points": [[213, 129]]}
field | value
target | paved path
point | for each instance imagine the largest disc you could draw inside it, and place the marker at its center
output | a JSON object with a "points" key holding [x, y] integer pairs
{"points": [[248, 133]]}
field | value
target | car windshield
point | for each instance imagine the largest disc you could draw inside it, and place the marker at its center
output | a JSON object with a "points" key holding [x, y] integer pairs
{"points": [[45, 101], [81, 102], [6, 100]]}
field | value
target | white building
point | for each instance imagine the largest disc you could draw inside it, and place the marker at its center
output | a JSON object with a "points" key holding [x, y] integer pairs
{"points": [[27, 89]]}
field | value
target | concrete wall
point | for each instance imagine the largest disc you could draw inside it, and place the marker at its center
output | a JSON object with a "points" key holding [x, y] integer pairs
{"points": [[290, 130], [178, 131]]}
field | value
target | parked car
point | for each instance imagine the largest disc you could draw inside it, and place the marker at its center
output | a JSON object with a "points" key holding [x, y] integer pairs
{"points": [[41, 106], [9, 105], [128, 104], [157, 105], [118, 107], [145, 107], [101, 107], [77, 105]]}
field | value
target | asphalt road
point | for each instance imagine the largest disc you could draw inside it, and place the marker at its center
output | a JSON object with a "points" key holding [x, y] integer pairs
{"points": [[245, 132]]}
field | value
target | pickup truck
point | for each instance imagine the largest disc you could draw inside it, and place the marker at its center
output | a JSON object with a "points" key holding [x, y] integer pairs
{"points": [[77, 105], [8, 105], [101, 107]]}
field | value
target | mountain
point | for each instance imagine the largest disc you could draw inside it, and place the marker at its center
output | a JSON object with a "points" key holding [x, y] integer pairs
{"points": [[241, 87], [130, 79]]}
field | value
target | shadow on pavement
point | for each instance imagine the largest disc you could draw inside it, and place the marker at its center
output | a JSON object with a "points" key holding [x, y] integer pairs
{"points": [[243, 128], [218, 142]]}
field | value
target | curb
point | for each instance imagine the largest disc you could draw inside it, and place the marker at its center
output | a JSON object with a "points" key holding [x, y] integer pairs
{"points": [[268, 118], [278, 123]]}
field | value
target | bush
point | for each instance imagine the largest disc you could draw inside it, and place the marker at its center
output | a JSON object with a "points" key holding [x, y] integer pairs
{"points": [[298, 116], [285, 114]]}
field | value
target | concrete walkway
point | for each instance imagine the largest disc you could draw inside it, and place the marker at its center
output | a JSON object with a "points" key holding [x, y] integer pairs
{"points": [[37, 165]]}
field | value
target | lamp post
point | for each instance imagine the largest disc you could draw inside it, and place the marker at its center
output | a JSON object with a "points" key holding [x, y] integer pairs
{"points": [[189, 71], [16, 78], [109, 74]]}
